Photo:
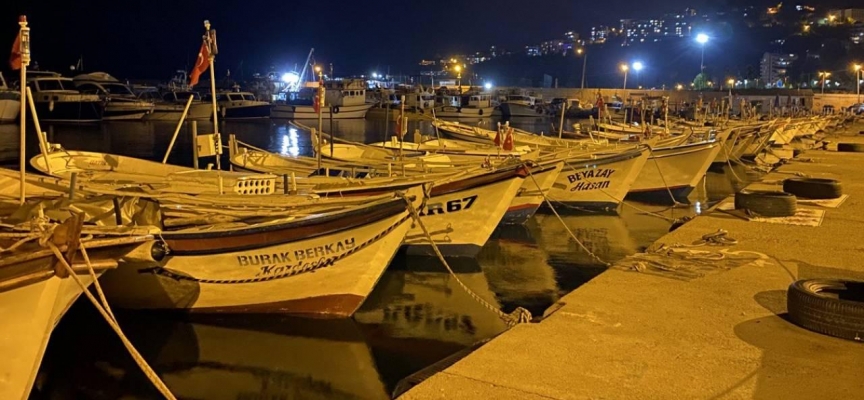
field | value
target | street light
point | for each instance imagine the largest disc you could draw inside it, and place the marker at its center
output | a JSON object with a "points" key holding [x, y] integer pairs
{"points": [[858, 77], [584, 64], [624, 68], [731, 83], [637, 66], [458, 69], [702, 39], [824, 76]]}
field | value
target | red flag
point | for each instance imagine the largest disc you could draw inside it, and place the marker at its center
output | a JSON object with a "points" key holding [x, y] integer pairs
{"points": [[508, 141], [401, 121], [15, 58], [498, 137], [316, 104], [201, 64]]}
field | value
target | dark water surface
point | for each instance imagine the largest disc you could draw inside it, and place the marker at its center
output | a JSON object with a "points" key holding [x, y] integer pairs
{"points": [[416, 316]]}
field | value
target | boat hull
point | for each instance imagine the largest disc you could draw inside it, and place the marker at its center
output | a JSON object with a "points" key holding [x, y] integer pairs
{"points": [[172, 112], [676, 169], [126, 111], [463, 112], [69, 111], [461, 221], [29, 315], [531, 196], [520, 110], [308, 112], [9, 109], [255, 111], [327, 276], [600, 183]]}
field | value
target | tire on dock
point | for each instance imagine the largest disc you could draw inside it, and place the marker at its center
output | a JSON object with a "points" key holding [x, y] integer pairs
{"points": [[766, 203], [813, 188], [850, 147], [830, 307]]}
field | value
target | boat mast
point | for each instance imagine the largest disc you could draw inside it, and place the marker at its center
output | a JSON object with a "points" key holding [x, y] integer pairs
{"points": [[305, 65], [24, 53]]}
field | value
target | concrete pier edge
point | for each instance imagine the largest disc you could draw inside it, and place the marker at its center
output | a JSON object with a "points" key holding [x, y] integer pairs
{"points": [[717, 331]]}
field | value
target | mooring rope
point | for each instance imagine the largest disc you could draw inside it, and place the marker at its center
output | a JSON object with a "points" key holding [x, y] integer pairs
{"points": [[561, 220], [518, 316], [112, 322], [662, 177]]}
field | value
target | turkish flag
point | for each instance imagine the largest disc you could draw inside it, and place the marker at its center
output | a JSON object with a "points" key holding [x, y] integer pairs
{"points": [[498, 137], [201, 64], [508, 141], [316, 104], [15, 59]]}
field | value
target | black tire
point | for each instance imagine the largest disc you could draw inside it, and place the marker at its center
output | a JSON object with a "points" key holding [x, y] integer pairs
{"points": [[480, 112], [335, 110], [850, 147], [766, 204], [813, 188], [838, 313]]}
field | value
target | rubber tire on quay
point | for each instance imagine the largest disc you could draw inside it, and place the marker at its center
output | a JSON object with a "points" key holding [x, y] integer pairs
{"points": [[850, 147], [766, 203], [839, 313], [813, 188]]}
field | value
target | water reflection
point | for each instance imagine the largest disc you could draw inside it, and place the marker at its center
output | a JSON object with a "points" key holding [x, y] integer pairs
{"points": [[417, 314]]}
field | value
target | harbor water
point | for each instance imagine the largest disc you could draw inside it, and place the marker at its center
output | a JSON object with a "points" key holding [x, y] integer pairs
{"points": [[417, 315]]}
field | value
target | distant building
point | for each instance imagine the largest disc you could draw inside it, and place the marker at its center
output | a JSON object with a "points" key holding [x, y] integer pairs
{"points": [[774, 67], [532, 50], [600, 34], [846, 15], [655, 30]]}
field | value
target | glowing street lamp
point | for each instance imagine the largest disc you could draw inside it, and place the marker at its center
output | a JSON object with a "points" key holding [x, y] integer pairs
{"points": [[584, 55], [679, 87], [702, 39], [824, 76], [458, 69], [859, 74], [730, 83], [637, 66], [624, 68]]}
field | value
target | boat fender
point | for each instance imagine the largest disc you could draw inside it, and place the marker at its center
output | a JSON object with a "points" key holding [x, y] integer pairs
{"points": [[812, 306], [813, 188], [148, 252], [425, 104], [335, 110], [459, 109], [480, 112]]}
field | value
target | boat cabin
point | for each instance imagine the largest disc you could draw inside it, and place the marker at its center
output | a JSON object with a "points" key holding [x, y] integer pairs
{"points": [[346, 92], [479, 101], [54, 84], [420, 100]]}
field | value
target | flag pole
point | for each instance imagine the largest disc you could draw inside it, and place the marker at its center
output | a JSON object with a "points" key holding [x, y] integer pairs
{"points": [[212, 50], [24, 48], [320, 114]]}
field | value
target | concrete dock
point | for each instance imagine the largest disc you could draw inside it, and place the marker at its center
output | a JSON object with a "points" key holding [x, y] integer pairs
{"points": [[691, 325]]}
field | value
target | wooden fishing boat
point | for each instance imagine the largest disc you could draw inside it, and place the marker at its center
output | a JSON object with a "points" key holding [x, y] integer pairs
{"points": [[676, 170], [599, 180], [520, 138]]}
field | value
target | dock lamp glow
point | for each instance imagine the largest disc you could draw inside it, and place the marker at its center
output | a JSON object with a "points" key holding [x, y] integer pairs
{"points": [[824, 76], [637, 66], [702, 39], [625, 68], [859, 75]]}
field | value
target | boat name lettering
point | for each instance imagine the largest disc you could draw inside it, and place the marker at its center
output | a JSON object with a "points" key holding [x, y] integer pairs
{"points": [[585, 185], [449, 207], [299, 267], [591, 173], [303, 254]]}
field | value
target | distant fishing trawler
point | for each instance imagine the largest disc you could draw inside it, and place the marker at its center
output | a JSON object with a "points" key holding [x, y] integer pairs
{"points": [[343, 99]]}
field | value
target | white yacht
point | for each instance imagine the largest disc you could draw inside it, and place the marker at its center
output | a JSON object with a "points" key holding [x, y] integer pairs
{"points": [[10, 102], [240, 105], [168, 106], [477, 105], [342, 98], [520, 105], [57, 100], [121, 102]]}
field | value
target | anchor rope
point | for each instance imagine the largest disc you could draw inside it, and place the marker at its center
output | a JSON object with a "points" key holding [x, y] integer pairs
{"points": [[106, 313], [518, 316]]}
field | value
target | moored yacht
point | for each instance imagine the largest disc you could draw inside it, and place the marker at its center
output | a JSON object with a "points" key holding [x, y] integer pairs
{"points": [[520, 105], [121, 102], [343, 99], [476, 105], [57, 100], [169, 106], [10, 102], [240, 105]]}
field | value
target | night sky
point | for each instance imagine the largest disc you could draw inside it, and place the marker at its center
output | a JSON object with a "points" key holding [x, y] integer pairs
{"points": [[152, 39]]}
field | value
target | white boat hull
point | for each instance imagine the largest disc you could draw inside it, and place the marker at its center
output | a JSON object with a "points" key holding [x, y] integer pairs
{"points": [[520, 110], [675, 169], [531, 196], [460, 222], [463, 112], [172, 112], [9, 110], [29, 314], [325, 276], [598, 185], [126, 111], [308, 112]]}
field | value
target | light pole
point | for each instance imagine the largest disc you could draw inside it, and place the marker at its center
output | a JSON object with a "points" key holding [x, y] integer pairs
{"points": [[824, 76], [702, 39], [731, 83], [624, 68], [637, 66], [858, 77], [459, 77], [584, 64]]}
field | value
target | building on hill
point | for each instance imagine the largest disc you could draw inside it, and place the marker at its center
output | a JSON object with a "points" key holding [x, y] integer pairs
{"points": [[774, 67]]}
